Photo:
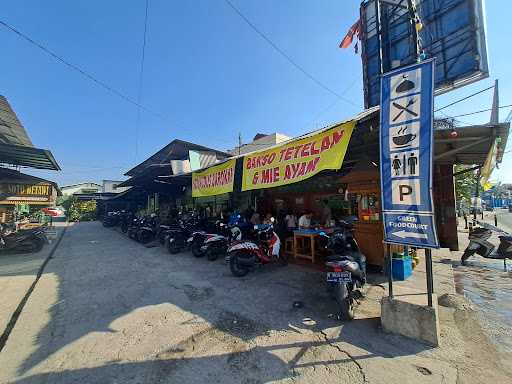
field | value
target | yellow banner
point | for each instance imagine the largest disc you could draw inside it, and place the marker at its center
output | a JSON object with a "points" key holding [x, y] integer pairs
{"points": [[215, 180], [297, 160]]}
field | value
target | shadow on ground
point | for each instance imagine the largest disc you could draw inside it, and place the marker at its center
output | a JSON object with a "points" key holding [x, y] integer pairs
{"points": [[104, 279]]}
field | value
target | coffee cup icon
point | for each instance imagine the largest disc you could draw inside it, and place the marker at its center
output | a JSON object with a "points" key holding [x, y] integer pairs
{"points": [[403, 140]]}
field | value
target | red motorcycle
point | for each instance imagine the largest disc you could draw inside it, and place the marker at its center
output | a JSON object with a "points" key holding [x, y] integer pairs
{"points": [[243, 256]]}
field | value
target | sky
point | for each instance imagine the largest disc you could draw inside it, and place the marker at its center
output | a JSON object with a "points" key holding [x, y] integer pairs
{"points": [[207, 76]]}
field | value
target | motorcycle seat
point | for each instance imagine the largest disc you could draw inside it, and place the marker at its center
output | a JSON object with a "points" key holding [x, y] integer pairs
{"points": [[339, 258]]}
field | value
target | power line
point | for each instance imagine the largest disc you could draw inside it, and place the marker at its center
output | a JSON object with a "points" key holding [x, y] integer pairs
{"points": [[480, 111], [76, 68], [287, 57], [141, 78], [464, 98]]}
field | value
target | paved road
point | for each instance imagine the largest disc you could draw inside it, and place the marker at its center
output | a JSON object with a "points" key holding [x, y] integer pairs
{"points": [[108, 310], [504, 219]]}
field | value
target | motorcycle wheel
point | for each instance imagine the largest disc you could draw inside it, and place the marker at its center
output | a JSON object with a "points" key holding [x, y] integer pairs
{"points": [[172, 247], [213, 253], [196, 249], [124, 228], [345, 305], [144, 238], [236, 269]]}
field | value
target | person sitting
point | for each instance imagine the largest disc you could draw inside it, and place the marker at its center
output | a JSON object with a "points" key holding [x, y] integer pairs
{"points": [[305, 220]]}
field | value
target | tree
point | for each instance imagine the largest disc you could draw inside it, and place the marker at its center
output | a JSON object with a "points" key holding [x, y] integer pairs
{"points": [[465, 183]]}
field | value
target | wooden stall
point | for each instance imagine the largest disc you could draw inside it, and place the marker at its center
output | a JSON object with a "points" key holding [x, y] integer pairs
{"points": [[363, 189]]}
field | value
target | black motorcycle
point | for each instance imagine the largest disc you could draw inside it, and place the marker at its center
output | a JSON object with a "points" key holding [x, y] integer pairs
{"points": [[216, 244], [125, 219], [22, 241], [177, 237], [111, 219], [478, 244], [148, 229], [133, 228], [346, 269]]}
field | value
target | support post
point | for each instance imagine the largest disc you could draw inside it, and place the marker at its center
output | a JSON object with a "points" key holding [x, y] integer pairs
{"points": [[430, 281], [390, 270], [477, 193]]}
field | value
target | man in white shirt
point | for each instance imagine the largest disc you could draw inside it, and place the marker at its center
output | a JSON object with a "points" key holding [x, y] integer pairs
{"points": [[291, 221], [305, 220]]}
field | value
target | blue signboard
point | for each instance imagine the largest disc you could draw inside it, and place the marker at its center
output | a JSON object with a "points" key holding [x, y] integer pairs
{"points": [[406, 143]]}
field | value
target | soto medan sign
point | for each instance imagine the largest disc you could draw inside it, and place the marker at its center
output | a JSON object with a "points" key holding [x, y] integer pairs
{"points": [[215, 180], [297, 160]]}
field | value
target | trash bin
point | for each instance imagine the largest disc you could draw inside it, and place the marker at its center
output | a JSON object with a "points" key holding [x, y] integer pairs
{"points": [[402, 268]]}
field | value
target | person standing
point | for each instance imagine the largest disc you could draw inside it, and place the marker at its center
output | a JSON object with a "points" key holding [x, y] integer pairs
{"points": [[291, 221], [326, 213]]}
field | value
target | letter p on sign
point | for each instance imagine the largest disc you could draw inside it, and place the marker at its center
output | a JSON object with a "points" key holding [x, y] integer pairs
{"points": [[406, 192]]}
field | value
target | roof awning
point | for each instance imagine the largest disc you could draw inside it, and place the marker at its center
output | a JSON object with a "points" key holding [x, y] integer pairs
{"points": [[27, 157], [471, 145]]}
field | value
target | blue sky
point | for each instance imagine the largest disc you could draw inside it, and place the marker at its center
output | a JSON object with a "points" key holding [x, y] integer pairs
{"points": [[206, 71]]}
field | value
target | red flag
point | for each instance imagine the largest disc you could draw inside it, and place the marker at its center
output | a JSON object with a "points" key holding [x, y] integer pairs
{"points": [[354, 30]]}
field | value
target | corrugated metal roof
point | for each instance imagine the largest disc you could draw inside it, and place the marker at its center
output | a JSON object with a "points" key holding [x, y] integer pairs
{"points": [[27, 157], [11, 129]]}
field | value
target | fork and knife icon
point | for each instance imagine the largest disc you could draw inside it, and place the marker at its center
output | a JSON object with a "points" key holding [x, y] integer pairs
{"points": [[404, 109]]}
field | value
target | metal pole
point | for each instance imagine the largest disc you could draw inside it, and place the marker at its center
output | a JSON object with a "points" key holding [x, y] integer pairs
{"points": [[476, 196], [430, 281], [390, 270]]}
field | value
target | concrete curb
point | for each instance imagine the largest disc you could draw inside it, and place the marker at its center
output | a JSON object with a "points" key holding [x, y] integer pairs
{"points": [[14, 318]]}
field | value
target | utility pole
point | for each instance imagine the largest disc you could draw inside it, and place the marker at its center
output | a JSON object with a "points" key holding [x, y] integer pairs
{"points": [[239, 142]]}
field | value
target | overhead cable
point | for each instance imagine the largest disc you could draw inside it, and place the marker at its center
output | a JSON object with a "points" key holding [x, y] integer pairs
{"points": [[78, 69], [141, 78], [288, 57], [464, 98]]}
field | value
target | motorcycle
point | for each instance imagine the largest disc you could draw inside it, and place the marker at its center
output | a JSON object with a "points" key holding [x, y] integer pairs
{"points": [[126, 219], [111, 219], [244, 256], [346, 269], [478, 244], [217, 244], [22, 241], [177, 236], [148, 228], [133, 228]]}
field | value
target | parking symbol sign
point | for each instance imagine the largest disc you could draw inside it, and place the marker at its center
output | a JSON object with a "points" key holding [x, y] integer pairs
{"points": [[406, 192], [406, 135]]}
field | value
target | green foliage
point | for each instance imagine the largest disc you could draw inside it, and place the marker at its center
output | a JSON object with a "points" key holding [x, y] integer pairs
{"points": [[465, 183], [80, 210]]}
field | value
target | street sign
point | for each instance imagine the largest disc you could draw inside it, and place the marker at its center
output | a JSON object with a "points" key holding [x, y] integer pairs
{"points": [[406, 146]]}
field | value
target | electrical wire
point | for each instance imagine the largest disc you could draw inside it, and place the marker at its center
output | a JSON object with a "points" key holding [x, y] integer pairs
{"points": [[480, 111], [464, 98], [141, 78], [78, 69], [288, 57]]}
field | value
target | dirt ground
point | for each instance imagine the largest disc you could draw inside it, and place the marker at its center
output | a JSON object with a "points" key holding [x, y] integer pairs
{"points": [[109, 310]]}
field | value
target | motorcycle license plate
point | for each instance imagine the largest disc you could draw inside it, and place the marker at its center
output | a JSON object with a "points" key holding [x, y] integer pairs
{"points": [[339, 277]]}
